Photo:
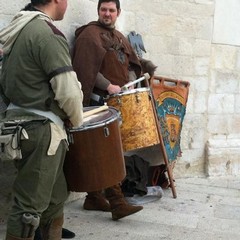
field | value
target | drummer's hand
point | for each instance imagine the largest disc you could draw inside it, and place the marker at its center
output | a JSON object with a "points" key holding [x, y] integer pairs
{"points": [[131, 87], [112, 89]]}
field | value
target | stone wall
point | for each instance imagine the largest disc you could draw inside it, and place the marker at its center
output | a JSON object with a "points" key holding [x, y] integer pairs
{"points": [[177, 35]]}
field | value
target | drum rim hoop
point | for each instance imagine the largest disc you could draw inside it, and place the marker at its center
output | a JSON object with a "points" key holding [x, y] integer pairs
{"points": [[135, 90], [115, 116]]}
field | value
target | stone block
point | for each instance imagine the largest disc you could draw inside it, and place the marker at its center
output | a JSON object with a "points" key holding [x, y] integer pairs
{"points": [[227, 82], [201, 66], [237, 103], [224, 57], [183, 65], [221, 104], [201, 48], [217, 124], [223, 157]]}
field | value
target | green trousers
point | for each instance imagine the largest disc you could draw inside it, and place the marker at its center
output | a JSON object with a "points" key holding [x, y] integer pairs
{"points": [[40, 187]]}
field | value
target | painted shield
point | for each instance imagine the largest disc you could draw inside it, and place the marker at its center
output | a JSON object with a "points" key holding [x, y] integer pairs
{"points": [[170, 103]]}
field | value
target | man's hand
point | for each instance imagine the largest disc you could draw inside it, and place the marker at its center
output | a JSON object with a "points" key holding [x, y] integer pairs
{"points": [[113, 89], [131, 87]]}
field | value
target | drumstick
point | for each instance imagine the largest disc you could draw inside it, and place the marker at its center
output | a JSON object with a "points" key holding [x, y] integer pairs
{"points": [[93, 111], [145, 76]]}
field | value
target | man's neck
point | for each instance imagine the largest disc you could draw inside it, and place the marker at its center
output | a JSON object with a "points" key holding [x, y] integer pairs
{"points": [[44, 10]]}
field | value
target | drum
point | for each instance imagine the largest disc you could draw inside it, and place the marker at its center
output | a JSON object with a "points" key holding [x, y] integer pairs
{"points": [[95, 158], [138, 127], [171, 99]]}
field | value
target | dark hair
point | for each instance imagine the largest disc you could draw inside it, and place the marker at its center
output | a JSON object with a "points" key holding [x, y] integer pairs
{"points": [[41, 2], [30, 6], [115, 1]]}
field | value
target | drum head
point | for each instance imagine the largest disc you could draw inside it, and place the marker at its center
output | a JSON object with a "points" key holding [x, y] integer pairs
{"points": [[98, 119]]}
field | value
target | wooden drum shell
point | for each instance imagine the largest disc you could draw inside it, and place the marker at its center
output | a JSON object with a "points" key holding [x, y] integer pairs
{"points": [[139, 127], [95, 161]]}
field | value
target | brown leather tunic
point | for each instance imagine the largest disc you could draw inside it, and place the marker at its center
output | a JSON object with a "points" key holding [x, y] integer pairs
{"points": [[104, 50]]}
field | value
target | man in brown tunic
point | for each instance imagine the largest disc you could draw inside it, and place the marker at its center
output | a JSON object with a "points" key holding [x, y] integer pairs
{"points": [[105, 61], [103, 58]]}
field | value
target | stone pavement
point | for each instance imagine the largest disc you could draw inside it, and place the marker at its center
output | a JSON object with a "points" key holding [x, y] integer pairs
{"points": [[205, 209]]}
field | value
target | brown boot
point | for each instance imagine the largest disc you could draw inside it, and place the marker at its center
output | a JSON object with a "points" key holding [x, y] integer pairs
{"points": [[96, 201], [53, 230], [119, 207], [10, 237]]}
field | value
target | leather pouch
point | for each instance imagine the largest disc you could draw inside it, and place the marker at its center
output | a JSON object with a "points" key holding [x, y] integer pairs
{"points": [[10, 142]]}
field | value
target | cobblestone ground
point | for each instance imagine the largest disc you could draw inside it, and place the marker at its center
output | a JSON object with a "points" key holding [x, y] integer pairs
{"points": [[205, 209]]}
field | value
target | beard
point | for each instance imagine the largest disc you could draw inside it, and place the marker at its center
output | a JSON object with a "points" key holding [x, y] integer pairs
{"points": [[107, 22]]}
